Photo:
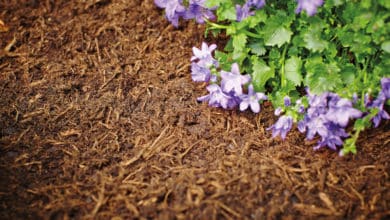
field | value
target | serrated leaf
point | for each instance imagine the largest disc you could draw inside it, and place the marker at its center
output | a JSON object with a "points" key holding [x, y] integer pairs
{"points": [[226, 12], [322, 77], [261, 73], [313, 40], [240, 55], [225, 59], [239, 42], [259, 17], [278, 37], [361, 21], [274, 54], [257, 49], [292, 70]]}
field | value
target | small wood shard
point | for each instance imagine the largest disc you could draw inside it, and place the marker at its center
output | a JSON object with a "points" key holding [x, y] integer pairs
{"points": [[3, 27]]}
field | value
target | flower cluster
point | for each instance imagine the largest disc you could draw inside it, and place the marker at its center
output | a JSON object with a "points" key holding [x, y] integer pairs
{"points": [[328, 115], [229, 93], [279, 52], [195, 9], [379, 102], [250, 6]]}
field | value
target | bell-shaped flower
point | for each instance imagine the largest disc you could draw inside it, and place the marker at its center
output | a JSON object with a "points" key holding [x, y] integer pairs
{"points": [[256, 3], [174, 9], [252, 100], [232, 81], [218, 98], [341, 111], [282, 126], [197, 10], [385, 82], [310, 6], [205, 54]]}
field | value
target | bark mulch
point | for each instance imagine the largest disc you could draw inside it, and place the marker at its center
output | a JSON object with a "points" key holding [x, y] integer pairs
{"points": [[99, 120]]}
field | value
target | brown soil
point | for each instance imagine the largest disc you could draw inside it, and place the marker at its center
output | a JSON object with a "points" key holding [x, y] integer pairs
{"points": [[99, 120]]}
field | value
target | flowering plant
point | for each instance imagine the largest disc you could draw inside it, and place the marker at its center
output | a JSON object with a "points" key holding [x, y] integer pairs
{"points": [[320, 63]]}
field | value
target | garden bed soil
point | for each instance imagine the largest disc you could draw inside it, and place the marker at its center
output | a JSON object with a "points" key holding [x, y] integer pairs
{"points": [[99, 120]]}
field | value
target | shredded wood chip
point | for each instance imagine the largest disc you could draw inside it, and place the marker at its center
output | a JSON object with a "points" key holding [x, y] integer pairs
{"points": [[3, 27]]}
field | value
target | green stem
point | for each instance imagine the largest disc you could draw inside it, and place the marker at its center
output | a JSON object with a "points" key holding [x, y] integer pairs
{"points": [[219, 26], [364, 72], [282, 72]]}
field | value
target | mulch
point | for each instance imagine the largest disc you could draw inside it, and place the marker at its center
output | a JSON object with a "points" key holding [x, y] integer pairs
{"points": [[99, 120]]}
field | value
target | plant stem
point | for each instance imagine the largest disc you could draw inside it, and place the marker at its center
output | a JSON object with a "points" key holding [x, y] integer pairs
{"points": [[219, 26], [282, 72], [364, 72]]}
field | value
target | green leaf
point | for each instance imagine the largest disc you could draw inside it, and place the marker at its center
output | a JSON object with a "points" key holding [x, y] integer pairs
{"points": [[257, 48], [384, 3], [366, 3], [386, 46], [278, 37], [226, 11], [225, 60], [348, 73], [240, 55], [256, 19], [361, 21], [239, 41], [349, 146], [322, 77], [213, 3], [292, 70], [313, 40], [261, 73]]}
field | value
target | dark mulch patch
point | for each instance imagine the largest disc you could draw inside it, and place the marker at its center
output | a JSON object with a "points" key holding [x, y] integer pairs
{"points": [[99, 120]]}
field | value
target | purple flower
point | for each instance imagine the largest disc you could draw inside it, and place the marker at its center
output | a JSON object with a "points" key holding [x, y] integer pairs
{"points": [[310, 6], [217, 98], [199, 73], [243, 12], [282, 126], [385, 82], [287, 101], [301, 107], [204, 54], [331, 141], [341, 111], [316, 125], [173, 10], [252, 99], [256, 3], [318, 104], [197, 10], [278, 111], [379, 103], [232, 81], [302, 126], [333, 138]]}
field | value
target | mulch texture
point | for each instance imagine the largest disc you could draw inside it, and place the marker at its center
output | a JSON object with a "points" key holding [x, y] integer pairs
{"points": [[99, 120]]}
